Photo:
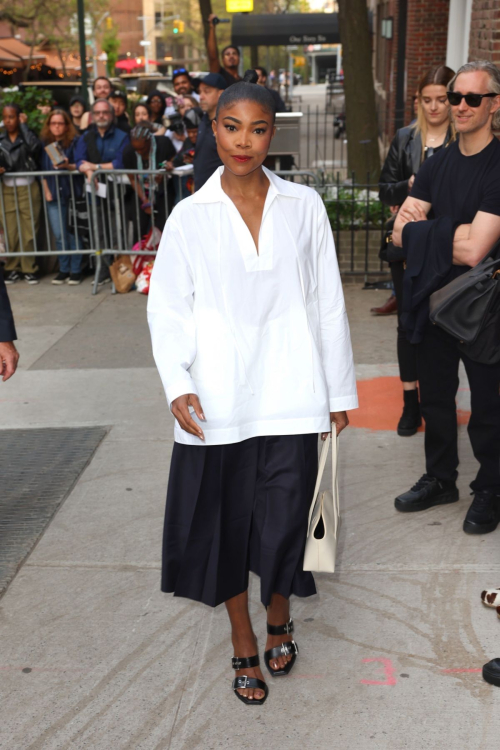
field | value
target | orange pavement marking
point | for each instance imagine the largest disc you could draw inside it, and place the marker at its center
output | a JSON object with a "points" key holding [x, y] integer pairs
{"points": [[381, 403]]}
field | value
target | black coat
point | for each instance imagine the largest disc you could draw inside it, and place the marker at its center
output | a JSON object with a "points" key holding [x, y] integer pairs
{"points": [[7, 328], [402, 161], [428, 249], [23, 155]]}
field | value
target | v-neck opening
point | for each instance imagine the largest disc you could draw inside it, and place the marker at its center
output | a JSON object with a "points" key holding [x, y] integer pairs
{"points": [[267, 202]]}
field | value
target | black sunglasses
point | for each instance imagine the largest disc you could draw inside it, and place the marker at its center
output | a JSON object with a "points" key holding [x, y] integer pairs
{"points": [[472, 100]]}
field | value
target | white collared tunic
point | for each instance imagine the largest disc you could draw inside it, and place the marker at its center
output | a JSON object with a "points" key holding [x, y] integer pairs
{"points": [[262, 338]]}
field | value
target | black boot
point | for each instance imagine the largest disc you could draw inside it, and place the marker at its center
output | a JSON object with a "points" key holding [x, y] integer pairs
{"points": [[410, 419]]}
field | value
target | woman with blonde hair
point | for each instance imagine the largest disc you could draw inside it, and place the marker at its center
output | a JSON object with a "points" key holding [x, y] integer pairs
{"points": [[58, 128], [431, 131]]}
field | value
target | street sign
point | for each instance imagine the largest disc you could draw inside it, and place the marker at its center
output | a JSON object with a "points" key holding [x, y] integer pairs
{"points": [[239, 6], [144, 43]]}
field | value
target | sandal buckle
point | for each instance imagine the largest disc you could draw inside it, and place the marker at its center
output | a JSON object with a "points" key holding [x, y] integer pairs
{"points": [[289, 626], [236, 663], [244, 685]]}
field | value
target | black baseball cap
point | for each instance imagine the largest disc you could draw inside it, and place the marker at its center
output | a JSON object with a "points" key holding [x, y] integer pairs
{"points": [[215, 80], [118, 94]]}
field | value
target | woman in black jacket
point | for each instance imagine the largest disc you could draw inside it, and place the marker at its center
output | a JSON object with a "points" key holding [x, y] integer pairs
{"points": [[411, 146], [19, 152]]}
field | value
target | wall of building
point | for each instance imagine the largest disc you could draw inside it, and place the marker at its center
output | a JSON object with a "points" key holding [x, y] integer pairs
{"points": [[484, 39], [124, 13], [426, 46], [426, 42]]}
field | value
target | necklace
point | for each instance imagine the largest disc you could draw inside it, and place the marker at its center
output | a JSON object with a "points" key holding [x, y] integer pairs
{"points": [[441, 135]]}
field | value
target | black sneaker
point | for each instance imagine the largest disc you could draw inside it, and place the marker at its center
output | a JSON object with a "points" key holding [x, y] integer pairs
{"points": [[32, 278], [12, 277], [426, 493], [491, 672], [483, 515], [61, 278], [411, 419], [75, 278]]}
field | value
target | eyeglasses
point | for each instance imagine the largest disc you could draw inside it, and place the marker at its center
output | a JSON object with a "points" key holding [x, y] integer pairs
{"points": [[179, 70], [472, 100]]}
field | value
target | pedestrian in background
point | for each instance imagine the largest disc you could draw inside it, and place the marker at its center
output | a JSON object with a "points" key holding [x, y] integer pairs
{"points": [[59, 129], [101, 147], [119, 103], [20, 151], [9, 356], [251, 340], [157, 105], [149, 153], [230, 56], [262, 73], [142, 113], [461, 186], [206, 158], [77, 107], [411, 146], [101, 89]]}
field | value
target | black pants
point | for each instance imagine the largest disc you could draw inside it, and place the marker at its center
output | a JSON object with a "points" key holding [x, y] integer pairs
{"points": [[438, 358], [407, 354]]}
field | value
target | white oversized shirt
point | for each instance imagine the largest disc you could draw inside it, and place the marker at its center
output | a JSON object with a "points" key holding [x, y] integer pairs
{"points": [[261, 338]]}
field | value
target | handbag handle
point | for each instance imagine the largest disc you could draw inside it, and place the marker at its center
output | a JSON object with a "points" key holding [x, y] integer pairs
{"points": [[321, 468]]}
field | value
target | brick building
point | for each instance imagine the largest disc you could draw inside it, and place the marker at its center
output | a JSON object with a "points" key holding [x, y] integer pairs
{"points": [[411, 36]]}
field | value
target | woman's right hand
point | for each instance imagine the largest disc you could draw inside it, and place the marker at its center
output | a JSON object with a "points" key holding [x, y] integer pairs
{"points": [[48, 196], [180, 410]]}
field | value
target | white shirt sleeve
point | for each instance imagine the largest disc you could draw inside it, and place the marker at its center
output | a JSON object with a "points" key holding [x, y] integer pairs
{"points": [[337, 355], [170, 314]]}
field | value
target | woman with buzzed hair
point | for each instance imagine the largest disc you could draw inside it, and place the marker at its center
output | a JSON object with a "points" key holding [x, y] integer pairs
{"points": [[251, 339]]}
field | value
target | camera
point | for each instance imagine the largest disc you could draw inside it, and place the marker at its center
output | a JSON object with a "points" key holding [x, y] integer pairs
{"points": [[176, 124]]}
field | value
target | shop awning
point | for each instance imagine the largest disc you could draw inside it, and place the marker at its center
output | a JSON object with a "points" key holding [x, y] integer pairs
{"points": [[285, 28]]}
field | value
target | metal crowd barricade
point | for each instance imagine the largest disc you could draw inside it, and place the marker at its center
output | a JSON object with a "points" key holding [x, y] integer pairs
{"points": [[108, 216], [119, 219], [42, 245]]}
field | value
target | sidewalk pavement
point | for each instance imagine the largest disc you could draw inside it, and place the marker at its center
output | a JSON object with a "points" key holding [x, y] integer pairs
{"points": [[93, 655]]}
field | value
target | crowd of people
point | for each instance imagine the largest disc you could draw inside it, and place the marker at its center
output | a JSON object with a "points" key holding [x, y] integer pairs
{"points": [[160, 133]]}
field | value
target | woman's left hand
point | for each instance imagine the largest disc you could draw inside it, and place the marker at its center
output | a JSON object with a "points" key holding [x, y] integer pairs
{"points": [[338, 418]]}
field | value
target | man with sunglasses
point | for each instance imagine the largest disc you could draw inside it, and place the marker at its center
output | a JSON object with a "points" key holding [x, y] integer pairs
{"points": [[461, 183]]}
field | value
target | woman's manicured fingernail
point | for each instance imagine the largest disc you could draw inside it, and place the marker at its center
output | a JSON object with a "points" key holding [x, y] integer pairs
{"points": [[203, 417]]}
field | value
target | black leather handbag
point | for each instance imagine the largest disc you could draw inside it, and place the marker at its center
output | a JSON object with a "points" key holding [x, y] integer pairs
{"points": [[468, 308]]}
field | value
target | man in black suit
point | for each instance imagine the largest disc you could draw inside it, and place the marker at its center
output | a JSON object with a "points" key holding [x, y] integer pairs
{"points": [[9, 355]]}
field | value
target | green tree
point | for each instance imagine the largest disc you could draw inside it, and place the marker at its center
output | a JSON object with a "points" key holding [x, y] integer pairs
{"points": [[111, 46], [48, 21], [28, 100]]}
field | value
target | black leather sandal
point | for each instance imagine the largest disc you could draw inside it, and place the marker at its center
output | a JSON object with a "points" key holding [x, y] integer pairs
{"points": [[286, 648], [243, 682]]}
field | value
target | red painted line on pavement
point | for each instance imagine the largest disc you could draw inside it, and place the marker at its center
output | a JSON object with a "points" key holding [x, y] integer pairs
{"points": [[387, 668]]}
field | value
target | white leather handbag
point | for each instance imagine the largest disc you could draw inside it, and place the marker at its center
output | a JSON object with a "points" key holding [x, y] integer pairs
{"points": [[324, 517]]}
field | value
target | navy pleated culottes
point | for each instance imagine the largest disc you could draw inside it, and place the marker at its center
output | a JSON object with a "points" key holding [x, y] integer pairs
{"points": [[235, 508]]}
